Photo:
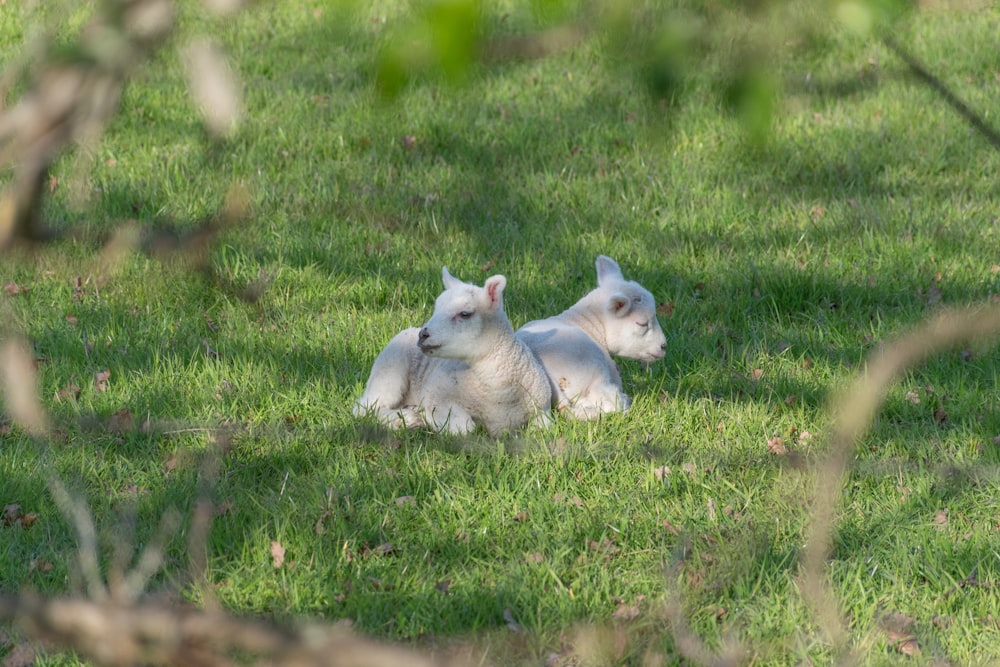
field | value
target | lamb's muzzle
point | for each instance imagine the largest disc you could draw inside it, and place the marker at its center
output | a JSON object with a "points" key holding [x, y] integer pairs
{"points": [[422, 342]]}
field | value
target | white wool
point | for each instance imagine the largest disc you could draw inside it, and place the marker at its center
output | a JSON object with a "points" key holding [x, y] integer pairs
{"points": [[462, 369], [575, 347]]}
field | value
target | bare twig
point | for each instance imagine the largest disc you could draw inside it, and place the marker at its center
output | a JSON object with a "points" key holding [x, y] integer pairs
{"points": [[121, 635], [855, 411], [938, 86]]}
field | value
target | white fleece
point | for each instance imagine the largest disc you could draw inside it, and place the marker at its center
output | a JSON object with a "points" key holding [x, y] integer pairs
{"points": [[462, 369], [575, 347]]}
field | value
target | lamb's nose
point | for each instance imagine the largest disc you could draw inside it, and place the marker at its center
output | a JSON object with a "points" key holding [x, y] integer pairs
{"points": [[424, 334]]}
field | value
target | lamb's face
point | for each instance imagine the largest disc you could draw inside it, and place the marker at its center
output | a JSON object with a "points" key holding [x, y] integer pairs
{"points": [[632, 330], [464, 315]]}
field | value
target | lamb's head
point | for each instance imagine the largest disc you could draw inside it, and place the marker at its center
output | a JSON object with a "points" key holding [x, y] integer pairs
{"points": [[466, 319], [629, 313]]}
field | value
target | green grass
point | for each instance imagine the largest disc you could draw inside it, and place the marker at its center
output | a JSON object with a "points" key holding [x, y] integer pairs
{"points": [[871, 206]]}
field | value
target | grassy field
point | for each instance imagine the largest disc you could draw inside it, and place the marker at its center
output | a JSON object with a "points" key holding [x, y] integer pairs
{"points": [[780, 266]]}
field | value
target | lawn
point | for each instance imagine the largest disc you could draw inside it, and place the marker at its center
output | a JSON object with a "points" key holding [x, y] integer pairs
{"points": [[780, 264]]}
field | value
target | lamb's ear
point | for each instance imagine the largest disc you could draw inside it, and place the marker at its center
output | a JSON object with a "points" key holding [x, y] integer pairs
{"points": [[448, 279], [619, 304], [494, 290], [608, 269]]}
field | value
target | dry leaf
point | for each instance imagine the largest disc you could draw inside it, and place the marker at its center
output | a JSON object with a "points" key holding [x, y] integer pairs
{"points": [[908, 646], [277, 554], [661, 473], [68, 393], [405, 500], [40, 565], [443, 586], [941, 517], [776, 446], [101, 380], [534, 557]]}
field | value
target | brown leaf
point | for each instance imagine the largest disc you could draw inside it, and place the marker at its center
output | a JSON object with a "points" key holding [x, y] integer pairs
{"points": [[940, 416], [661, 473], [443, 586], [776, 446], [171, 463], [101, 380], [534, 557], [908, 646], [27, 520], [941, 517], [408, 141], [68, 393], [666, 309], [40, 565], [756, 374], [277, 554], [13, 289], [405, 500], [521, 516]]}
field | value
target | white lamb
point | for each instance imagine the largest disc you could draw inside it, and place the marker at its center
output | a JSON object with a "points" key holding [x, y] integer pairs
{"points": [[462, 369], [575, 347]]}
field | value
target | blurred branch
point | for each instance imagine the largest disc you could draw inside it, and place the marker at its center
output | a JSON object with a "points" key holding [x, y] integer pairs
{"points": [[75, 92], [938, 86], [122, 635], [854, 413]]}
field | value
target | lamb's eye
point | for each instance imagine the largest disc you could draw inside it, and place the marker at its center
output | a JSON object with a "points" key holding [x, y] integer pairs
{"points": [[643, 325], [465, 314]]}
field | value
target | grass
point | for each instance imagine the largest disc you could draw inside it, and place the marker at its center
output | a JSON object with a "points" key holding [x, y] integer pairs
{"points": [[871, 206]]}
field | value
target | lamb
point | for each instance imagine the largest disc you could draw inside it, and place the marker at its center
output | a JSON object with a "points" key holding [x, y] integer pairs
{"points": [[462, 369], [575, 347]]}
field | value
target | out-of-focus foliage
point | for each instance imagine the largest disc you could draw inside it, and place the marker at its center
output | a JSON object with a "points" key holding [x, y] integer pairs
{"points": [[670, 46]]}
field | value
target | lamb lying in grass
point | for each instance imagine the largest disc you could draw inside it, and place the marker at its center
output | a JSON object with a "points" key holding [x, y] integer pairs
{"points": [[462, 369], [575, 347]]}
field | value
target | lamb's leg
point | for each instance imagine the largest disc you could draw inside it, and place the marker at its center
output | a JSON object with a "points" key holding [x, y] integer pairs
{"points": [[389, 384], [451, 418], [598, 399]]}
